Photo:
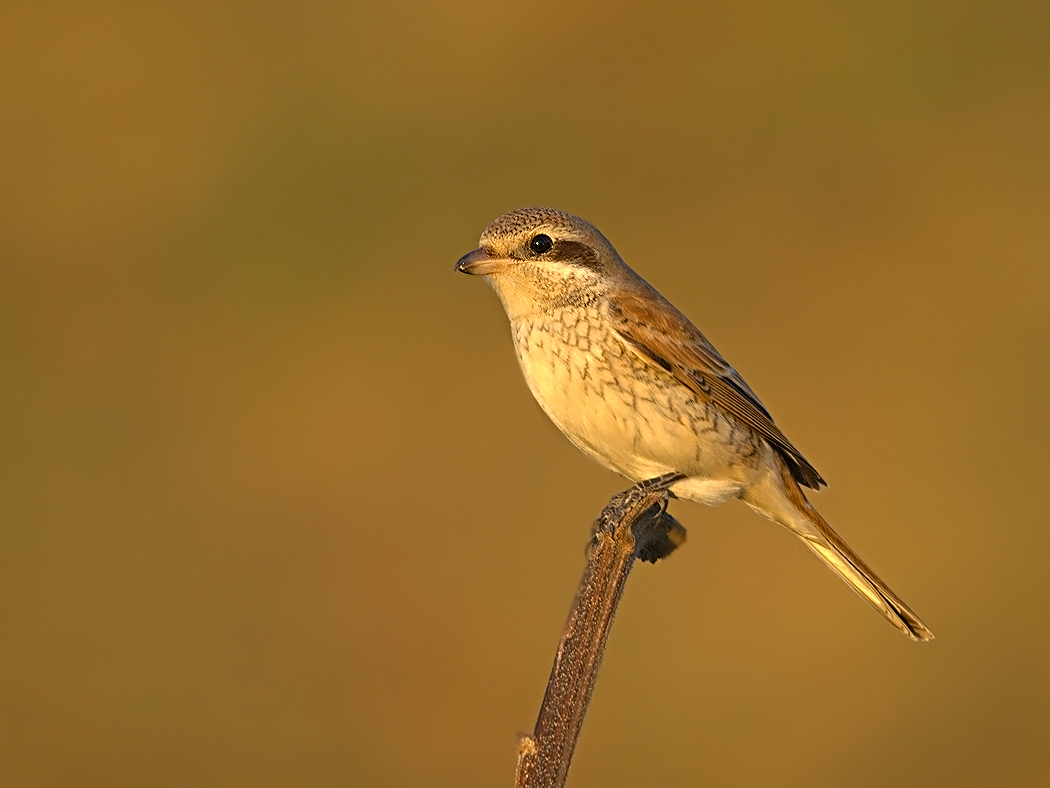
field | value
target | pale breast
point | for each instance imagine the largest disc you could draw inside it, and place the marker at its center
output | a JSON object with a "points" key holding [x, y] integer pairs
{"points": [[629, 415]]}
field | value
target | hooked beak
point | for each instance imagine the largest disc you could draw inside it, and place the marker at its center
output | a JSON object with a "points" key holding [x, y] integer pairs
{"points": [[480, 262]]}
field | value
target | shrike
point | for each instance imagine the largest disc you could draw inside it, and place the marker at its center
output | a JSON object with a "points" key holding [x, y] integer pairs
{"points": [[634, 384]]}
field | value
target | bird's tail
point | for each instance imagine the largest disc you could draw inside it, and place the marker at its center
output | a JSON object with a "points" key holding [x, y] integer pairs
{"points": [[833, 551]]}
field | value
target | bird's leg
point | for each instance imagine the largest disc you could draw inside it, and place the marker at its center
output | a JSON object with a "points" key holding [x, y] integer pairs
{"points": [[644, 504], [621, 503]]}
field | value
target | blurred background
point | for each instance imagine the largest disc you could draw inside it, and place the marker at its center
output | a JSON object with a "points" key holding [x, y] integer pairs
{"points": [[276, 507]]}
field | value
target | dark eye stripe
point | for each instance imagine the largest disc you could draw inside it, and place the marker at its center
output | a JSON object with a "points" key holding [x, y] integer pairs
{"points": [[575, 253]]}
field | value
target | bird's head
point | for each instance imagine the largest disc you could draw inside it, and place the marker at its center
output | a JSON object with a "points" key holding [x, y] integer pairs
{"points": [[540, 258]]}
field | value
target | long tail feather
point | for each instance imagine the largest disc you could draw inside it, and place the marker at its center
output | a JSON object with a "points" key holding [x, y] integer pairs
{"points": [[833, 550]]}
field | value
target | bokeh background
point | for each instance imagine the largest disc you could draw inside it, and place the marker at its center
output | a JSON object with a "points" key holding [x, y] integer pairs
{"points": [[276, 508]]}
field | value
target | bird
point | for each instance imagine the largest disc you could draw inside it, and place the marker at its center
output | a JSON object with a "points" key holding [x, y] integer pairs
{"points": [[634, 384]]}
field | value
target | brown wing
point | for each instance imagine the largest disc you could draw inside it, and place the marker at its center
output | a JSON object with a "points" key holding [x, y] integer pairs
{"points": [[649, 325]]}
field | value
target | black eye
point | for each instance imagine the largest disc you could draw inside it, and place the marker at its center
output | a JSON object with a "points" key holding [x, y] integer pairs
{"points": [[541, 244]]}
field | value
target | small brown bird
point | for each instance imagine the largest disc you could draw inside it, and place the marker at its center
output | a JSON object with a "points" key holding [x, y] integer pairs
{"points": [[634, 384]]}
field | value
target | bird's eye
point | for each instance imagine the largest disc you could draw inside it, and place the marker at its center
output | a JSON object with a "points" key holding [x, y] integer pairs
{"points": [[541, 244]]}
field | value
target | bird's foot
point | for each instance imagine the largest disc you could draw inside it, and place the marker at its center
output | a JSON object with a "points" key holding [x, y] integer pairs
{"points": [[644, 507]]}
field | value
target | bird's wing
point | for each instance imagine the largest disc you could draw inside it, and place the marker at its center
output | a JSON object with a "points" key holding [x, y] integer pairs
{"points": [[657, 332]]}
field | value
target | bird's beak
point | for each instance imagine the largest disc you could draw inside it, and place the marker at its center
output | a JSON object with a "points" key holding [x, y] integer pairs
{"points": [[480, 262]]}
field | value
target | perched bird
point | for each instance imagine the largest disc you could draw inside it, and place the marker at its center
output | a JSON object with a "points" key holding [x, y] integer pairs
{"points": [[634, 384]]}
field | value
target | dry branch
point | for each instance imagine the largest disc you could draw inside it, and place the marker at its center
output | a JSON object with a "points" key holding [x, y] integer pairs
{"points": [[634, 524]]}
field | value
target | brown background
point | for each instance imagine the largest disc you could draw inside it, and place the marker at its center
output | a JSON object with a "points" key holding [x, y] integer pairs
{"points": [[277, 508]]}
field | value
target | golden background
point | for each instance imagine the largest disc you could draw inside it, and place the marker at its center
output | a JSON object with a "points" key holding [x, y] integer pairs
{"points": [[277, 508]]}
